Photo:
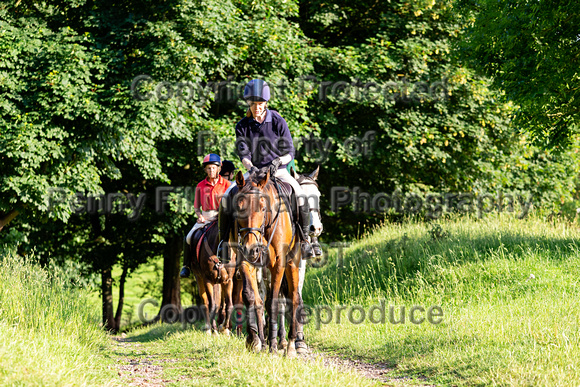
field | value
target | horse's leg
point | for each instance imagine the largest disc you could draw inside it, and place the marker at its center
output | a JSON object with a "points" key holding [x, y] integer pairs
{"points": [[213, 296], [222, 307], [201, 285], [238, 304], [282, 342], [250, 295], [277, 274], [260, 311], [301, 347], [268, 304], [228, 306], [292, 276], [263, 282]]}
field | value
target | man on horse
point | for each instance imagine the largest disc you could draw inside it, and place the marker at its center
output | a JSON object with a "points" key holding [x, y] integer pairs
{"points": [[208, 194]]}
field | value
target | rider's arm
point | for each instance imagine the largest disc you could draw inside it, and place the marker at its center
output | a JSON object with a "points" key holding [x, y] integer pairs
{"points": [[285, 144], [243, 145], [197, 205]]}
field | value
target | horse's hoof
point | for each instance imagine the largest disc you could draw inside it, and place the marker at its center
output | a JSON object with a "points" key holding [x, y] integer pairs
{"points": [[225, 332], [301, 348], [214, 332], [283, 345], [208, 332], [291, 350], [255, 346]]}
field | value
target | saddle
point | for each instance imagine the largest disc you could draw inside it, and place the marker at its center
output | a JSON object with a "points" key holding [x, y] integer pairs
{"points": [[198, 237], [288, 195]]}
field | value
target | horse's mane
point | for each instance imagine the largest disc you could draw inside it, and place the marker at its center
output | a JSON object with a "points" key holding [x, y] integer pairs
{"points": [[302, 178], [257, 177]]}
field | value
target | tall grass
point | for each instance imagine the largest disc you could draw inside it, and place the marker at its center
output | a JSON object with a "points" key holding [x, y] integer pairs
{"points": [[49, 332], [403, 261]]}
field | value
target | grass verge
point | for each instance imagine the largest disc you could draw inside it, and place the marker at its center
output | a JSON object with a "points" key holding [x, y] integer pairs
{"points": [[48, 329], [508, 289]]}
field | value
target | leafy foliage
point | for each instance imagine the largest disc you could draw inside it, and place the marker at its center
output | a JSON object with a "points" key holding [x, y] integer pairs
{"points": [[532, 50], [440, 127]]}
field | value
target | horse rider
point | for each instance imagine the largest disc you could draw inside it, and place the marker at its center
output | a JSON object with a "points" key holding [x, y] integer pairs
{"points": [[228, 171], [208, 194], [263, 139]]}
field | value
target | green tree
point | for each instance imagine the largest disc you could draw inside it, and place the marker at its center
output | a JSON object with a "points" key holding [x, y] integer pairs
{"points": [[532, 50], [96, 99], [391, 68]]}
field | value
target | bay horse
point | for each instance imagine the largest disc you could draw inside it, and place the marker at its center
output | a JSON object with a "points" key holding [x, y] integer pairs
{"points": [[214, 280], [266, 237]]}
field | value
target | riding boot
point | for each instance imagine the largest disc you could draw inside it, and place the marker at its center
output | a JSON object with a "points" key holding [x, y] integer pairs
{"points": [[185, 271], [307, 252], [316, 246]]}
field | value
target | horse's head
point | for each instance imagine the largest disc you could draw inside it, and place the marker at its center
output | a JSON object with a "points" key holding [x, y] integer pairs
{"points": [[312, 192], [252, 204]]}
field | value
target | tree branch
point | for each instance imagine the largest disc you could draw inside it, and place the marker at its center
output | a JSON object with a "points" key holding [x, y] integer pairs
{"points": [[6, 218]]}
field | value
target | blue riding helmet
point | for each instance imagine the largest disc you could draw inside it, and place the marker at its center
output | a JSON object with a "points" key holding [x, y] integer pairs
{"points": [[257, 90], [212, 158]]}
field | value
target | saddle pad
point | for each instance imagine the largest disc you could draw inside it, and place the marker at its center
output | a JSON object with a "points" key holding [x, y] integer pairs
{"points": [[204, 232]]}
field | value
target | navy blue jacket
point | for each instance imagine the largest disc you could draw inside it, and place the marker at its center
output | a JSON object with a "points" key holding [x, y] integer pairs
{"points": [[264, 142]]}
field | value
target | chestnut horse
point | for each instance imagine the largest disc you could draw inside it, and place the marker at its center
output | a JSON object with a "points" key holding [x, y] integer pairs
{"points": [[266, 237], [312, 193]]}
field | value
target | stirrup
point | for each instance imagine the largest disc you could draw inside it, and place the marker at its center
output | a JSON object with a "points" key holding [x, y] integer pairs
{"points": [[307, 250], [316, 246]]}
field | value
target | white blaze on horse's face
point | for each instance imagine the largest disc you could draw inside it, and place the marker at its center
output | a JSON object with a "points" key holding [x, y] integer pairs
{"points": [[313, 194]]}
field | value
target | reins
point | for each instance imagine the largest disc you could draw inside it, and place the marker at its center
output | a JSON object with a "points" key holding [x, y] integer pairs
{"points": [[262, 230]]}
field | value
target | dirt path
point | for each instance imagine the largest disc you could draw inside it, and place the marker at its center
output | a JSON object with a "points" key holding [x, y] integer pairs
{"points": [[140, 371], [377, 371], [145, 371]]}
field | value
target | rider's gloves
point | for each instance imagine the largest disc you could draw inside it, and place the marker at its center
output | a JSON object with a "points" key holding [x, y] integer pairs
{"points": [[274, 165]]}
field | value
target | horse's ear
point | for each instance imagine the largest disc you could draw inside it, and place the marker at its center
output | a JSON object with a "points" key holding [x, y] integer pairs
{"points": [[314, 175], [240, 179], [293, 173], [264, 181]]}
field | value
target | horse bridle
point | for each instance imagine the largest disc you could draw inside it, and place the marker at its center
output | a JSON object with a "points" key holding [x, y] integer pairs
{"points": [[307, 180], [257, 232], [304, 180]]}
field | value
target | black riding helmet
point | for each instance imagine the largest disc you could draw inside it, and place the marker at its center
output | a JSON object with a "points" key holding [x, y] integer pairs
{"points": [[227, 167]]}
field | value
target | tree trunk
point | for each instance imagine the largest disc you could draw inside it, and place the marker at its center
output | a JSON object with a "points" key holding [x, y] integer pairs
{"points": [[121, 298], [171, 267], [107, 294], [6, 217]]}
